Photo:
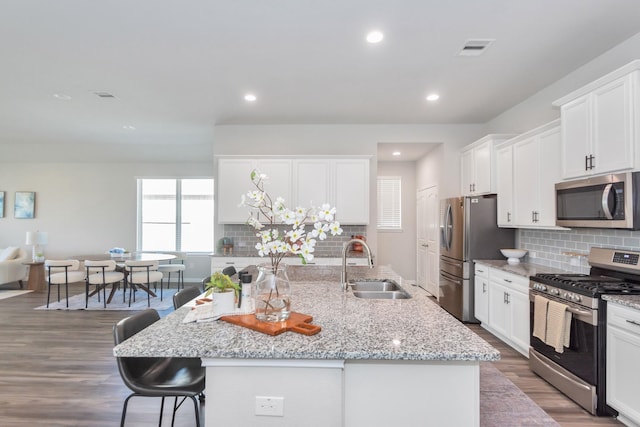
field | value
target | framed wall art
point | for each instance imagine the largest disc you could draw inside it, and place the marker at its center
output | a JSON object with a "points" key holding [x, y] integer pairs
{"points": [[24, 204], [1, 204]]}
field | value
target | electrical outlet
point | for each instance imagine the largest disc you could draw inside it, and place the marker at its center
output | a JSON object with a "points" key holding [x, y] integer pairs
{"points": [[270, 406]]}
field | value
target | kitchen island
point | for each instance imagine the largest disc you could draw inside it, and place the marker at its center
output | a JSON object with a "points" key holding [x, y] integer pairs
{"points": [[375, 362]]}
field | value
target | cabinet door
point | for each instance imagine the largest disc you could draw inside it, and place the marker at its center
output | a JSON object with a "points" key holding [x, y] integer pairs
{"points": [[518, 303], [280, 179], [481, 288], [504, 185], [312, 182], [576, 137], [467, 172], [234, 180], [548, 175], [482, 168], [612, 126], [352, 191], [623, 375], [498, 315], [525, 181]]}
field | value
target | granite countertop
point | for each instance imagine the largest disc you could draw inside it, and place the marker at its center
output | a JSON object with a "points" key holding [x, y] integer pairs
{"points": [[522, 268], [632, 301], [352, 328]]}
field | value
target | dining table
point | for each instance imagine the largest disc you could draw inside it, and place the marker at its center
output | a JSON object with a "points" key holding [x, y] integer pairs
{"points": [[120, 259]]}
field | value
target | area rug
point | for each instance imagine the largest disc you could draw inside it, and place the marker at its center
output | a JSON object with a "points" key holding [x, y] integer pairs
{"points": [[77, 302], [12, 293], [504, 404]]}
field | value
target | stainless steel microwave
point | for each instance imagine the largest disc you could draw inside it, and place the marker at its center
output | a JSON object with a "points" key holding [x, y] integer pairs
{"points": [[607, 201]]}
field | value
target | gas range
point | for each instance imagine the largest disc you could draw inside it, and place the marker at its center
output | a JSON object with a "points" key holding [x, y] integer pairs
{"points": [[579, 370]]}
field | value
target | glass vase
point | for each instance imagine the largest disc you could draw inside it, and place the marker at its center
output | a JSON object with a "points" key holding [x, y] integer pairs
{"points": [[272, 293]]}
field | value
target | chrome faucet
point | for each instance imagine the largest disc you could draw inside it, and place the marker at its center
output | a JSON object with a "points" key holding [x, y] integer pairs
{"points": [[343, 276]]}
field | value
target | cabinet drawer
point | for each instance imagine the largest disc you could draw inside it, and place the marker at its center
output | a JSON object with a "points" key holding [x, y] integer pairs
{"points": [[510, 280], [482, 270], [623, 317]]}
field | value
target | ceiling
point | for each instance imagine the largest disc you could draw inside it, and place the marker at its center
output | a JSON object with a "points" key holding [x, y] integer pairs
{"points": [[178, 68]]}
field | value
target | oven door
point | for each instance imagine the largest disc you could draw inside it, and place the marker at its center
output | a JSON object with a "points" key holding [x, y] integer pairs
{"points": [[580, 358]]}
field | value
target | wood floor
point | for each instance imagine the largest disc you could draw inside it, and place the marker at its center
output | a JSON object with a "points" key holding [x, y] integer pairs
{"points": [[57, 369], [562, 409]]}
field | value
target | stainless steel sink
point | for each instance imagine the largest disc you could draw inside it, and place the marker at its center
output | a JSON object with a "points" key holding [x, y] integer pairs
{"points": [[378, 289]]}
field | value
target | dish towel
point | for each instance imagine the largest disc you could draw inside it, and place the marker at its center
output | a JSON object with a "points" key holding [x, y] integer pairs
{"points": [[540, 305], [558, 326]]}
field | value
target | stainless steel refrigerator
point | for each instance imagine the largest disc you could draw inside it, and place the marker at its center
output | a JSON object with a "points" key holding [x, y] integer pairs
{"points": [[468, 231]]}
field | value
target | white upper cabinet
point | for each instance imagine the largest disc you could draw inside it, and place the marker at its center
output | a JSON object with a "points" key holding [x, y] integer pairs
{"points": [[504, 184], [600, 125], [478, 165], [233, 181], [529, 166], [536, 169], [352, 191], [306, 182]]}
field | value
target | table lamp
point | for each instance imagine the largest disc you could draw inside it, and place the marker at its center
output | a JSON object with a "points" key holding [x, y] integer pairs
{"points": [[37, 239]]}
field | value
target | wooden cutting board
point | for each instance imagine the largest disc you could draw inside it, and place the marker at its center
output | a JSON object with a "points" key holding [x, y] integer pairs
{"points": [[297, 322]]}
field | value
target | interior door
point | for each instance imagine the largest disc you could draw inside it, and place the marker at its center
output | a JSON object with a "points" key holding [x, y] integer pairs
{"points": [[433, 227], [428, 234]]}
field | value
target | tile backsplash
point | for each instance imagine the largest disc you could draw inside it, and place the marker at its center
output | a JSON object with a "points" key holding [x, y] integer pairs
{"points": [[559, 248], [244, 240]]}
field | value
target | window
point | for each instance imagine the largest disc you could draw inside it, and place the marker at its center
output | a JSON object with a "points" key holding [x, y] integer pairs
{"points": [[175, 215], [389, 203]]}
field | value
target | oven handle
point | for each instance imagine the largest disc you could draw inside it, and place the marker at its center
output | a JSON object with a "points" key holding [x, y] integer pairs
{"points": [[572, 310]]}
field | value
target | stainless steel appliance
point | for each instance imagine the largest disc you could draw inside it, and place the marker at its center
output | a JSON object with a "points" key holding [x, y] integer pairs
{"points": [[579, 371], [469, 231], [608, 201]]}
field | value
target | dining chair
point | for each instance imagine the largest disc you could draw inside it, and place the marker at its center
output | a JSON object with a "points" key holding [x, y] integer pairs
{"points": [[185, 295], [141, 274], [62, 272], [175, 265], [100, 274], [157, 376]]}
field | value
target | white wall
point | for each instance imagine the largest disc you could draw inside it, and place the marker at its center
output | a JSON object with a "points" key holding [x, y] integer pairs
{"points": [[537, 109], [398, 249], [85, 207]]}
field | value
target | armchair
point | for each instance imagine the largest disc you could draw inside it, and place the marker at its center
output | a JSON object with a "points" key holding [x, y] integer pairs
{"points": [[12, 269]]}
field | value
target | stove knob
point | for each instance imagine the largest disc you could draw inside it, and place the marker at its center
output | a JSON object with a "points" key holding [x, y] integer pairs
{"points": [[566, 295], [578, 298], [554, 292]]}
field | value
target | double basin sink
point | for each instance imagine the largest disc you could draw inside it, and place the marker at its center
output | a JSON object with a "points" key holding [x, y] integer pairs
{"points": [[378, 289]]}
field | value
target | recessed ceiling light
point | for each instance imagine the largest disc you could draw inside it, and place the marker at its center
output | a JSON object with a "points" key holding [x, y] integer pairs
{"points": [[61, 96], [396, 153], [375, 37], [250, 97], [129, 127], [433, 97]]}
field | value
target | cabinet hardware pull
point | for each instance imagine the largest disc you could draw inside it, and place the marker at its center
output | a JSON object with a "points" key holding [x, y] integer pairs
{"points": [[586, 163], [484, 288], [507, 280], [508, 216], [633, 322], [591, 159]]}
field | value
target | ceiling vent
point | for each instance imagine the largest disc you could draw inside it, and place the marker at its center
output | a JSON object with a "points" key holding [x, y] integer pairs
{"points": [[475, 47], [103, 94]]}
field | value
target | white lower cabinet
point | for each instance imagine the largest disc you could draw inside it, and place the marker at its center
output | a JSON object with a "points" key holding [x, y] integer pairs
{"points": [[481, 293], [507, 305], [623, 354]]}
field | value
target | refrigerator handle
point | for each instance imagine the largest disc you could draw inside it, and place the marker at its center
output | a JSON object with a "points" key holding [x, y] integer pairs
{"points": [[448, 227]]}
